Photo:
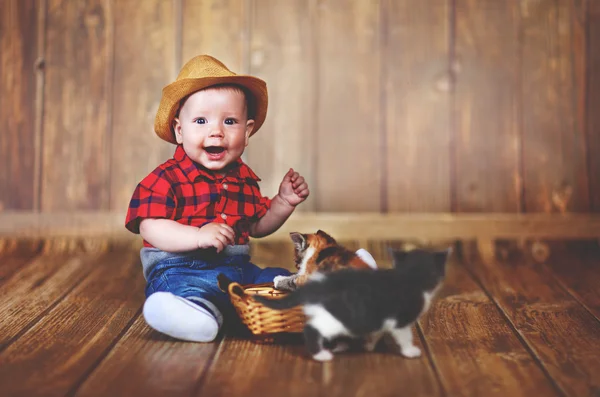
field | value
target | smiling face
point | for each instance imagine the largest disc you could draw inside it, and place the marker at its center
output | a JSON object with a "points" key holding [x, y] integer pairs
{"points": [[213, 126]]}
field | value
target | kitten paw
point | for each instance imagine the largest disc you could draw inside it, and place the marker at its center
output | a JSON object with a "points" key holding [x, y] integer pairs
{"points": [[370, 346], [323, 355], [411, 352], [280, 281], [341, 347]]}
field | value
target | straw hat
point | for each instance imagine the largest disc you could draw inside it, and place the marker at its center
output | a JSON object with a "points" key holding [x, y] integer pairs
{"points": [[201, 72]]}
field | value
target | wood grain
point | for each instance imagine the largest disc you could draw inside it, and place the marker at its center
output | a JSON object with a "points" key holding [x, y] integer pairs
{"points": [[17, 257], [576, 265], [344, 226], [18, 118], [380, 373], [217, 28], [593, 102], [244, 368], [518, 329], [554, 162], [282, 51], [418, 86], [349, 144], [76, 141], [36, 288], [467, 335], [486, 107], [146, 363], [139, 76], [57, 353], [548, 318]]}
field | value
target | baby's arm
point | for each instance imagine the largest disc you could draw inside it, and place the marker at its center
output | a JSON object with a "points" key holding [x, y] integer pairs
{"points": [[171, 236], [292, 191], [276, 216]]}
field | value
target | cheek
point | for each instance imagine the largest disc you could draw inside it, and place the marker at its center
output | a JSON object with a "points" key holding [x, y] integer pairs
{"points": [[192, 137], [239, 142]]}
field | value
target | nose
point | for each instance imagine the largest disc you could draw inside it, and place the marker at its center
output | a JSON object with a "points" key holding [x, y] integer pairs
{"points": [[216, 132]]}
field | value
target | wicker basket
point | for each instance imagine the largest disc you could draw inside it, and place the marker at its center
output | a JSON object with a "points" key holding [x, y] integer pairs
{"points": [[260, 320]]}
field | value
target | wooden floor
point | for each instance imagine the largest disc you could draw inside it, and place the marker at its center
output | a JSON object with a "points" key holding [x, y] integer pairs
{"points": [[70, 324]]}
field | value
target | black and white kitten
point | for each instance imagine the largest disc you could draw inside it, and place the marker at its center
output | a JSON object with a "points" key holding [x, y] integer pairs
{"points": [[367, 303]]}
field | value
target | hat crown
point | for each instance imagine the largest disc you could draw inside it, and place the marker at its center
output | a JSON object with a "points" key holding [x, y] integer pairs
{"points": [[204, 66]]}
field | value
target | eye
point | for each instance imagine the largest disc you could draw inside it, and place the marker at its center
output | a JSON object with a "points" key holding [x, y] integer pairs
{"points": [[230, 121], [200, 120]]}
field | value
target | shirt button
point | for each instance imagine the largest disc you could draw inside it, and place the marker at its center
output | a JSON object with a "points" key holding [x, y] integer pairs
{"points": [[223, 216], [225, 186]]}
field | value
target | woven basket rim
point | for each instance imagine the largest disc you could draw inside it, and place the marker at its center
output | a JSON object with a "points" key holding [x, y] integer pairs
{"points": [[259, 319]]}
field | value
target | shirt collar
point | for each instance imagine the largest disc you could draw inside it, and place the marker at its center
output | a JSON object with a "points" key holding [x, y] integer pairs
{"points": [[193, 170]]}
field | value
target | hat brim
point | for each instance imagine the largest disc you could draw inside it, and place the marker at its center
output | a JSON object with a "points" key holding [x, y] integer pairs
{"points": [[173, 93]]}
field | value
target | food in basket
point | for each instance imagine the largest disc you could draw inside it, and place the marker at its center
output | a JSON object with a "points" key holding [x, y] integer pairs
{"points": [[261, 320]]}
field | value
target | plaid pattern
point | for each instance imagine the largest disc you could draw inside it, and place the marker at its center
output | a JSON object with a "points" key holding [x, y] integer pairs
{"points": [[183, 191]]}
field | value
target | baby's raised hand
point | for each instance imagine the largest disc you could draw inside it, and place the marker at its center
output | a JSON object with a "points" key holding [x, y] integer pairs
{"points": [[218, 235], [293, 188]]}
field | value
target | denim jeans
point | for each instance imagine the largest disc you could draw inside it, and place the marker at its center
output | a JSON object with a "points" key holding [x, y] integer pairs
{"points": [[196, 280]]}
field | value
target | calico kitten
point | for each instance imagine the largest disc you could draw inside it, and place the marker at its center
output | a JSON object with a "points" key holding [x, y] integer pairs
{"points": [[320, 252], [367, 303]]}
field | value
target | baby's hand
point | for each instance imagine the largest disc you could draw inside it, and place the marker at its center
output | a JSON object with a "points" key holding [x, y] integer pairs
{"points": [[293, 188], [218, 235]]}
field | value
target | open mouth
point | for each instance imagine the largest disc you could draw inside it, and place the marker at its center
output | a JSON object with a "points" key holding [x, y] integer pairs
{"points": [[214, 149], [215, 153]]}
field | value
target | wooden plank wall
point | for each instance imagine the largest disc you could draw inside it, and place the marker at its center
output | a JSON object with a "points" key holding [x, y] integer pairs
{"points": [[387, 105]]}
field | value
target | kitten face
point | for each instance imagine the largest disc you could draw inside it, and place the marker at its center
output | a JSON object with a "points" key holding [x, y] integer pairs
{"points": [[307, 245]]}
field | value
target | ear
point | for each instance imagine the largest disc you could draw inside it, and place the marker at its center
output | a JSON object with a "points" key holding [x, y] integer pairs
{"points": [[326, 236], [177, 130], [249, 129], [299, 240]]}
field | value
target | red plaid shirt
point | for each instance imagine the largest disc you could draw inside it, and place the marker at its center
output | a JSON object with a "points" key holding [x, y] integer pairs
{"points": [[186, 192]]}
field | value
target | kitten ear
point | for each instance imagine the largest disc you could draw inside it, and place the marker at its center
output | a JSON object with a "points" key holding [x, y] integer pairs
{"points": [[299, 240], [326, 236]]}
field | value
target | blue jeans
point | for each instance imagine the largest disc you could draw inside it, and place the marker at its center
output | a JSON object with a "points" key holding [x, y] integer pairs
{"points": [[196, 280]]}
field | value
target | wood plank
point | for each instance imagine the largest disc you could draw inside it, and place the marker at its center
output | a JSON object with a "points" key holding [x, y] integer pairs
{"points": [[18, 54], [418, 89], [267, 369], [146, 363], [381, 373], [282, 52], [473, 348], [37, 287], [217, 28], [139, 77], [486, 107], [576, 265], [274, 253], [593, 102], [345, 226], [57, 354], [76, 150], [349, 129], [554, 148], [15, 258], [561, 333]]}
